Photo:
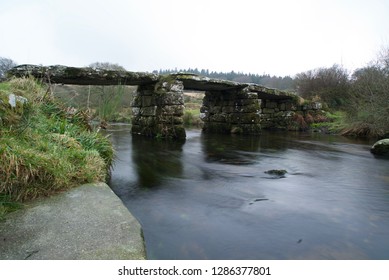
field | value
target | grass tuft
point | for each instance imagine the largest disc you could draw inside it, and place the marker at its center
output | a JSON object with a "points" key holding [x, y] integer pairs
{"points": [[44, 147]]}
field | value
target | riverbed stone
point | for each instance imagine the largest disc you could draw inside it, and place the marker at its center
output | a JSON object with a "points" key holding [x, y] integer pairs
{"points": [[381, 147]]}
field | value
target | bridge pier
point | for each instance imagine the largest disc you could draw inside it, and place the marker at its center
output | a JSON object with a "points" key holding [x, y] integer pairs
{"points": [[158, 110]]}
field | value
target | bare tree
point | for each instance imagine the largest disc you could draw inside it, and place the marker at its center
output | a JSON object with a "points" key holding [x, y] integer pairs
{"points": [[5, 65], [331, 85], [383, 59]]}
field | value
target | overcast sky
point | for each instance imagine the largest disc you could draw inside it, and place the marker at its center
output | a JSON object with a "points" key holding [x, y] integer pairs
{"points": [[276, 37]]}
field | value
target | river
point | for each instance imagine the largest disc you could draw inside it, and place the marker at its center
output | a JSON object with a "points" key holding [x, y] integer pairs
{"points": [[210, 198]]}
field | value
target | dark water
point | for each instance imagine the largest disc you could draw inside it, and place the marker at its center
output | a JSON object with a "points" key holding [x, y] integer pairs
{"points": [[210, 198]]}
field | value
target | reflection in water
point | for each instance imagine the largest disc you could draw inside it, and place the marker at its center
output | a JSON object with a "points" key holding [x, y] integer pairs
{"points": [[230, 150], [210, 198], [156, 159]]}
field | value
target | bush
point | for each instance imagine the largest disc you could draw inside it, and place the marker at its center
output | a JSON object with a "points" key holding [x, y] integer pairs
{"points": [[329, 85], [368, 113], [192, 118]]}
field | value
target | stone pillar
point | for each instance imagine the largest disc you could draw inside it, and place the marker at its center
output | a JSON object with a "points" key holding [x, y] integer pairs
{"points": [[158, 110], [231, 112]]}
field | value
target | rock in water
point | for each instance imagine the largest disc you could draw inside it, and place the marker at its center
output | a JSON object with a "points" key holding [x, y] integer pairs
{"points": [[381, 147], [277, 172]]}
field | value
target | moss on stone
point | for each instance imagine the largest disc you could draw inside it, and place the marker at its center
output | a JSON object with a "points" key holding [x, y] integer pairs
{"points": [[381, 147]]}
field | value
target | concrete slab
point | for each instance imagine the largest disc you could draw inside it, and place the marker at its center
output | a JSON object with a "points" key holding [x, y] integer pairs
{"points": [[89, 222]]}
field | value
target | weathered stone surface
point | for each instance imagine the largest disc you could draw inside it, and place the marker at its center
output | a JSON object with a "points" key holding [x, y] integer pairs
{"points": [[167, 84], [148, 111], [196, 82], [268, 111], [146, 89], [216, 127], [172, 98], [13, 99], [245, 118], [223, 118], [173, 110], [83, 76], [170, 120], [86, 223], [146, 121], [159, 109], [269, 93], [173, 131], [147, 101], [271, 104], [381, 148]]}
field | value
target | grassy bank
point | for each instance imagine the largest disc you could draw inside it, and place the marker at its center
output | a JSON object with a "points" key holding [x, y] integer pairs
{"points": [[333, 123], [44, 147], [193, 103]]}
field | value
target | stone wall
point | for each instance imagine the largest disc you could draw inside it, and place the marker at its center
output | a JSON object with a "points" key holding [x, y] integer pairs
{"points": [[277, 114], [158, 110], [245, 113], [286, 114]]}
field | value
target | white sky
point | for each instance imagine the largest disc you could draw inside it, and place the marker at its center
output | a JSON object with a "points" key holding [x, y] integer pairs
{"points": [[276, 37]]}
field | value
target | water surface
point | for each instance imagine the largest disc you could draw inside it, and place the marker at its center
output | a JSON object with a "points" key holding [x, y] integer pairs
{"points": [[210, 198]]}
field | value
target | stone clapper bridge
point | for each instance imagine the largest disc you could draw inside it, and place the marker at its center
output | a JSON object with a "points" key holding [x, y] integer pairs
{"points": [[158, 105]]}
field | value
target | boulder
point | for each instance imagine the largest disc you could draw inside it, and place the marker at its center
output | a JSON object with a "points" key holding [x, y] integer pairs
{"points": [[381, 147]]}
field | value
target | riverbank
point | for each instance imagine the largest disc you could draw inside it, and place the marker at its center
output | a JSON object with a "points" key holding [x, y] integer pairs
{"points": [[88, 222], [45, 147]]}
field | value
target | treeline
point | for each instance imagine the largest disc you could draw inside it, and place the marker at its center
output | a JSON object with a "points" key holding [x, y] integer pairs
{"points": [[282, 83]]}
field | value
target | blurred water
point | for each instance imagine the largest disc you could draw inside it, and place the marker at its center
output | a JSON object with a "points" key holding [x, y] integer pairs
{"points": [[210, 198]]}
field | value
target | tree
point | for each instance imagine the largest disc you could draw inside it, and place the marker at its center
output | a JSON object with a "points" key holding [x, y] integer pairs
{"points": [[5, 65], [107, 66], [383, 60], [331, 85], [369, 107]]}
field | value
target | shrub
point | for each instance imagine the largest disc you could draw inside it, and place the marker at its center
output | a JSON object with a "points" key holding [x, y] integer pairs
{"points": [[330, 85], [368, 114], [298, 122]]}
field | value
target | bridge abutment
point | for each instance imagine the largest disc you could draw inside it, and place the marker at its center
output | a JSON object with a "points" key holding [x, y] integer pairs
{"points": [[234, 111]]}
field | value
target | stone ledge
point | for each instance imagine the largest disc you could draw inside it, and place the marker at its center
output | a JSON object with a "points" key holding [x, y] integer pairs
{"points": [[89, 222]]}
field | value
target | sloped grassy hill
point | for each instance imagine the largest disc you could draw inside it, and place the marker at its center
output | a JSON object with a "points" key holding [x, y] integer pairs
{"points": [[44, 147]]}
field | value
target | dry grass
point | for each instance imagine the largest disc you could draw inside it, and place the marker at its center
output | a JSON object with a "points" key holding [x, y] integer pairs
{"points": [[363, 129]]}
